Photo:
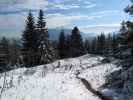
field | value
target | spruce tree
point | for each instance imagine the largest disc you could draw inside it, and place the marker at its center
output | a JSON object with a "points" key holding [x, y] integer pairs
{"points": [[76, 48], [126, 39], [62, 45], [115, 44], [29, 40], [4, 54], [29, 36], [68, 44], [101, 44], [94, 46], [108, 45], [87, 46], [46, 50]]}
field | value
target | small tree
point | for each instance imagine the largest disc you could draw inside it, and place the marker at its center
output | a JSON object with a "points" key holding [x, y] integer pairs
{"points": [[68, 44], [62, 45], [87, 46], [101, 44], [4, 54], [14, 52], [94, 46], [76, 48]]}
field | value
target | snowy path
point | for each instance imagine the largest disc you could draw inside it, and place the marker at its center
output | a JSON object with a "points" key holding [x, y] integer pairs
{"points": [[96, 93]]}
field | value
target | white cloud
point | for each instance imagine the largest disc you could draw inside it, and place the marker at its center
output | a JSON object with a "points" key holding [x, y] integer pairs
{"points": [[106, 12], [59, 20], [62, 6], [15, 5], [91, 6], [87, 2], [101, 28]]}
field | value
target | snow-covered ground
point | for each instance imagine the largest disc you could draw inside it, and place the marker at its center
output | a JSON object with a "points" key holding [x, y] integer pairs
{"points": [[56, 81]]}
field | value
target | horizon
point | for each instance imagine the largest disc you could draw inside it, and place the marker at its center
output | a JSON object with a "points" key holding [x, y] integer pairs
{"points": [[91, 16]]}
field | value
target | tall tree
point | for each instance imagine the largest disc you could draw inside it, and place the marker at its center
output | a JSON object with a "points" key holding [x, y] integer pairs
{"points": [[126, 36], [77, 48], [29, 36], [87, 46], [109, 44], [29, 39], [4, 54], [62, 45], [46, 49], [68, 44], [101, 44], [94, 45]]}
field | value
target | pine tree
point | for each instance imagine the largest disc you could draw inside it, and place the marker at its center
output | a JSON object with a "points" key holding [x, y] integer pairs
{"points": [[126, 39], [76, 48], [46, 49], [115, 44], [29, 39], [101, 44], [87, 46], [68, 44], [14, 52], [62, 45], [94, 46], [4, 54], [129, 8], [123, 32], [108, 45], [29, 36]]}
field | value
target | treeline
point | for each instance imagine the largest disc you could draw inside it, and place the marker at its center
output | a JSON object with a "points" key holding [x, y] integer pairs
{"points": [[73, 45], [102, 44], [9, 53]]}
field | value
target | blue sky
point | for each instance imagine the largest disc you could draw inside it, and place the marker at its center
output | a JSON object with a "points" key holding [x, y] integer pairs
{"points": [[91, 16]]}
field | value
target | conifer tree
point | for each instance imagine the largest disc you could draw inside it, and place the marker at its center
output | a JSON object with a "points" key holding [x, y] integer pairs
{"points": [[77, 48], [29, 40], [101, 44], [68, 44], [62, 45], [108, 45], [4, 54], [94, 46], [115, 44], [87, 46], [46, 49]]}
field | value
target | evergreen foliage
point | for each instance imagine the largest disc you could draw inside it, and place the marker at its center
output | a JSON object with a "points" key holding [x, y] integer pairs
{"points": [[62, 45], [46, 50], [29, 39], [76, 47]]}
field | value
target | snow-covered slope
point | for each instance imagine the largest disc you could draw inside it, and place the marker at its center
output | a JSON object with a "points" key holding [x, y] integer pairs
{"points": [[56, 81]]}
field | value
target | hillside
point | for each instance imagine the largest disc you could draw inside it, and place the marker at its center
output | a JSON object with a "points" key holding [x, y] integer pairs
{"points": [[59, 80]]}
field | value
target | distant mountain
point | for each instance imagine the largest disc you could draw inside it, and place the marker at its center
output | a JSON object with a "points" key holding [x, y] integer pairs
{"points": [[54, 33]]}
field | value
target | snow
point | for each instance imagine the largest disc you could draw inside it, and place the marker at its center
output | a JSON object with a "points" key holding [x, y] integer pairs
{"points": [[56, 81], [97, 75]]}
